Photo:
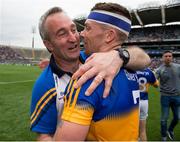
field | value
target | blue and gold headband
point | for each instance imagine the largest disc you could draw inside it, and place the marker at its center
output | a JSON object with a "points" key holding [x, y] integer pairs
{"points": [[117, 21]]}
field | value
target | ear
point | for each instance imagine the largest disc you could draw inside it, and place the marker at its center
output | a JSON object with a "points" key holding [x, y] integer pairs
{"points": [[48, 45], [110, 35]]}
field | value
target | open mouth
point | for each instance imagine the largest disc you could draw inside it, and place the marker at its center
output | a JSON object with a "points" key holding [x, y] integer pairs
{"points": [[73, 47]]}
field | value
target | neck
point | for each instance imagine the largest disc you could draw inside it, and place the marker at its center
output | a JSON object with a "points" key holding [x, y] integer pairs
{"points": [[68, 66], [110, 47], [167, 64], [117, 45]]}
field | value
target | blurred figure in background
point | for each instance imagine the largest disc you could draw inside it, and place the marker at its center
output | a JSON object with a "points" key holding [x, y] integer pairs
{"points": [[169, 75], [146, 78]]}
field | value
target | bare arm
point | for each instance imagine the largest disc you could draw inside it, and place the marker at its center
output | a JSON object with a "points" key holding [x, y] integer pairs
{"points": [[106, 65], [69, 131], [44, 137], [138, 58]]}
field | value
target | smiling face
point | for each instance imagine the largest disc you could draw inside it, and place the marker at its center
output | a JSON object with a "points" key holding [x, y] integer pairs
{"points": [[63, 40]]}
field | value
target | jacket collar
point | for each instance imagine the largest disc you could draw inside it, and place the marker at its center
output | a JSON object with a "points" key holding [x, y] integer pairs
{"points": [[56, 69]]}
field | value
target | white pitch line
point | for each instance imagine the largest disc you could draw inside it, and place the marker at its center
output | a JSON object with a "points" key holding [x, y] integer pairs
{"points": [[14, 82]]}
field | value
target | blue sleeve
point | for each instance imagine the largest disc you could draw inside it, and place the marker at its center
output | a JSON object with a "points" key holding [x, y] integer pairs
{"points": [[43, 111], [152, 78], [79, 97], [79, 108], [95, 98], [83, 55]]}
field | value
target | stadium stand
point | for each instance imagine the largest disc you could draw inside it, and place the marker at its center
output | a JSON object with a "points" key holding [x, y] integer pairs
{"points": [[8, 55], [28, 53], [154, 39], [19, 55]]}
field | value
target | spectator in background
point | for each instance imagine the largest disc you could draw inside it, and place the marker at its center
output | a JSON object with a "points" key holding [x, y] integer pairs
{"points": [[146, 78], [169, 75], [93, 117]]}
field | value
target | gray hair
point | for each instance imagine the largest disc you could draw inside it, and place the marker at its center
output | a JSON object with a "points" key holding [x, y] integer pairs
{"points": [[42, 30]]}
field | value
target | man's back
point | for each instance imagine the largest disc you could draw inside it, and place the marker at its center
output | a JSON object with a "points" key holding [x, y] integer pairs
{"points": [[146, 78], [108, 115]]}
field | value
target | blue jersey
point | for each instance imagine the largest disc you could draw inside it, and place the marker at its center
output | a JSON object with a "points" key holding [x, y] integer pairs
{"points": [[47, 98], [113, 118], [146, 78]]}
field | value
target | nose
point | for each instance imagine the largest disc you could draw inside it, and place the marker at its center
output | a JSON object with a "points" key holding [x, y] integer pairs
{"points": [[73, 36]]}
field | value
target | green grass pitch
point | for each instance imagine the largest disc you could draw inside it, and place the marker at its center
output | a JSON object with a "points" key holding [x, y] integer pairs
{"points": [[16, 84]]}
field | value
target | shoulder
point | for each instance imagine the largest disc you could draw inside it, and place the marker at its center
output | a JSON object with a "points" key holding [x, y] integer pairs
{"points": [[44, 82], [46, 75], [128, 75], [83, 56], [78, 95], [44, 87], [151, 73], [96, 95], [159, 69], [43, 103], [176, 65], [149, 70], [124, 82]]}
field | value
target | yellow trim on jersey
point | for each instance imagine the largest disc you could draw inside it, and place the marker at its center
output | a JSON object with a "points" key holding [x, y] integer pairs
{"points": [[70, 96], [121, 128], [69, 85], [42, 106], [67, 102], [42, 98], [76, 96], [156, 84], [82, 117], [76, 113], [147, 87]]}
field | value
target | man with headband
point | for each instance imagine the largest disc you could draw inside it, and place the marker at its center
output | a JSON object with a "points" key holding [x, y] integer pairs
{"points": [[94, 117]]}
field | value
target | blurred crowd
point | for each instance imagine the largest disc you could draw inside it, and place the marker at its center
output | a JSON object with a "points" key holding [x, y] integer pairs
{"points": [[156, 62], [155, 34], [161, 33], [8, 55]]}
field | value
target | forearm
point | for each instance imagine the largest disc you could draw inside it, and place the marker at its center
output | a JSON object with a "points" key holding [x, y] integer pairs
{"points": [[44, 137], [106, 65], [70, 131], [138, 59]]}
